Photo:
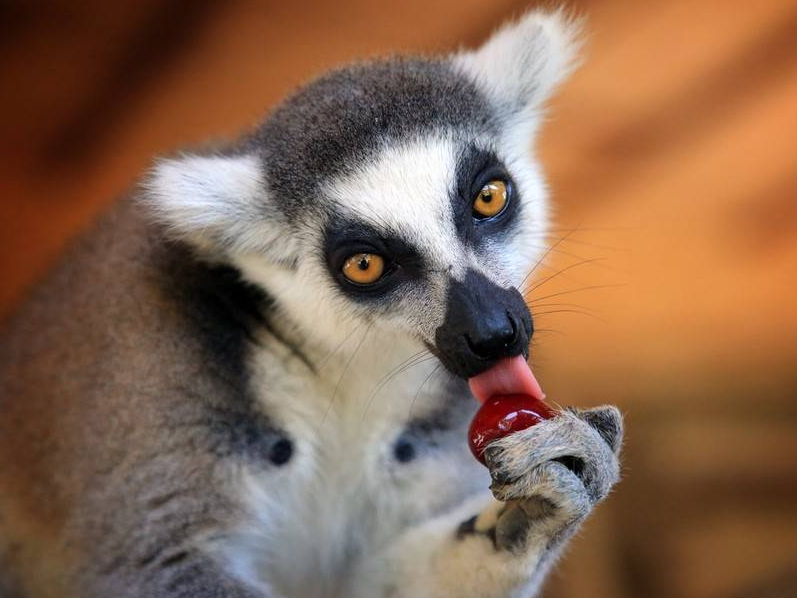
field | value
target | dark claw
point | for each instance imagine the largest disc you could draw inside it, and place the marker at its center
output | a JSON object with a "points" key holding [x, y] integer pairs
{"points": [[497, 473], [501, 478], [490, 455]]}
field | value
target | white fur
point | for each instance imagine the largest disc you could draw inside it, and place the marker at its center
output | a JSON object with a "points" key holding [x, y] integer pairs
{"points": [[406, 191], [218, 201], [206, 193], [523, 62]]}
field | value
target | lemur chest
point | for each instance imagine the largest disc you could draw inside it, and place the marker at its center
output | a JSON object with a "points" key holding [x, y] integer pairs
{"points": [[378, 442]]}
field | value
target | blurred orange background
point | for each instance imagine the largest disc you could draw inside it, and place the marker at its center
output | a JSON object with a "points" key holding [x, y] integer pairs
{"points": [[670, 288]]}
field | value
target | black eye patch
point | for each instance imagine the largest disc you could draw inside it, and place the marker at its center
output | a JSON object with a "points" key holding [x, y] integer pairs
{"points": [[476, 167], [345, 237]]}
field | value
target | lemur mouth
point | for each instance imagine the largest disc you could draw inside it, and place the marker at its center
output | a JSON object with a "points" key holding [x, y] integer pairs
{"points": [[509, 376]]}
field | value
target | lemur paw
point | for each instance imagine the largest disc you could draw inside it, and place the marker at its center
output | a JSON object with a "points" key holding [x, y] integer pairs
{"points": [[552, 474]]}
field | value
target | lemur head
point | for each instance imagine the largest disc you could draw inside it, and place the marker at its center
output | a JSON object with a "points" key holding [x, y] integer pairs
{"points": [[399, 194]]}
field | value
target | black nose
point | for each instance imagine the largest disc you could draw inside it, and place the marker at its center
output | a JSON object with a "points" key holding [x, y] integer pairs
{"points": [[484, 323], [494, 336]]}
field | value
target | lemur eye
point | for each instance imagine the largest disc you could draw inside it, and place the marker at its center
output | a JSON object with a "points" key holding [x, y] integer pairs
{"points": [[491, 200], [364, 268]]}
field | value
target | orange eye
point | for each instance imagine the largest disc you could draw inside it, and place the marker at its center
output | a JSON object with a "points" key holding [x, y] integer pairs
{"points": [[364, 268], [491, 200]]}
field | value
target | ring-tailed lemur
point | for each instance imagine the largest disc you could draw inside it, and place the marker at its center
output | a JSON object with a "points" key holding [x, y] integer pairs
{"points": [[232, 386]]}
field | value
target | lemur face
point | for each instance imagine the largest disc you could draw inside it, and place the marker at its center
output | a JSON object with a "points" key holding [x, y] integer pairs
{"points": [[432, 238], [399, 195]]}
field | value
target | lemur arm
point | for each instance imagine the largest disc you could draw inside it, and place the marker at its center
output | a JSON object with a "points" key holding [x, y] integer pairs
{"points": [[548, 478]]}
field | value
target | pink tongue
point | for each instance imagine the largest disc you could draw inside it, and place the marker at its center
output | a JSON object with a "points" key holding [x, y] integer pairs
{"points": [[511, 376]]}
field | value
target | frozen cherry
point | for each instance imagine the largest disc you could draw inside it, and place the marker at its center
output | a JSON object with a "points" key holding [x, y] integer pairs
{"points": [[501, 415]]}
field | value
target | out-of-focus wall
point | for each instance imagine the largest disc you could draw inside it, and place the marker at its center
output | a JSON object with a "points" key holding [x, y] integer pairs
{"points": [[670, 287]]}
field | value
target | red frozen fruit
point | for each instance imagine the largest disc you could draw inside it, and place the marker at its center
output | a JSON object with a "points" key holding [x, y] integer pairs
{"points": [[512, 400], [502, 415]]}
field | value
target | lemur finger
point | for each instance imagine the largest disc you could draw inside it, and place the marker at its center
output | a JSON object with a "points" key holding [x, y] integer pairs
{"points": [[588, 451], [560, 500]]}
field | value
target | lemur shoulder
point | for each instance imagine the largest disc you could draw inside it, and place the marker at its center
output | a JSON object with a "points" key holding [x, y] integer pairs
{"points": [[249, 379]]}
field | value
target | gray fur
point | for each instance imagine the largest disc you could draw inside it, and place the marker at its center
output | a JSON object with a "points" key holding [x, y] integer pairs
{"points": [[342, 119], [149, 376]]}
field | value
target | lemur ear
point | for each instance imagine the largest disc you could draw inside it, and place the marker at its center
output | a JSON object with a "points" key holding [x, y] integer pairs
{"points": [[522, 63], [217, 202]]}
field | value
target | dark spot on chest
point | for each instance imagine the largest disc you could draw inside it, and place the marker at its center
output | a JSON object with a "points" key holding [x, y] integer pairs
{"points": [[281, 451], [404, 450]]}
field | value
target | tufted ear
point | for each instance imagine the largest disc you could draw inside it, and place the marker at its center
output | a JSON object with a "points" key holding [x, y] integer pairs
{"points": [[521, 64], [218, 202]]}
